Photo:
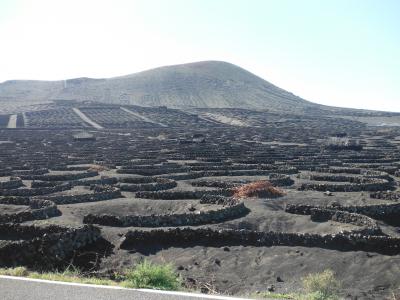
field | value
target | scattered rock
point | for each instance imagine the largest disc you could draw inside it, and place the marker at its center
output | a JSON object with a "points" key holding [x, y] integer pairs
{"points": [[271, 288], [191, 280]]}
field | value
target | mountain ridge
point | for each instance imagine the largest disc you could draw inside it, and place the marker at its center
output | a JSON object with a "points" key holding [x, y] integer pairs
{"points": [[204, 84]]}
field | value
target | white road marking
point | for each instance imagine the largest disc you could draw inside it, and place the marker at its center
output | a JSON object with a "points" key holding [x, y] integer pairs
{"points": [[12, 122], [142, 117], [86, 118], [194, 295]]}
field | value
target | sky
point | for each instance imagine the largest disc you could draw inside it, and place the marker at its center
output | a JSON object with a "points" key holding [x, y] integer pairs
{"points": [[334, 52]]}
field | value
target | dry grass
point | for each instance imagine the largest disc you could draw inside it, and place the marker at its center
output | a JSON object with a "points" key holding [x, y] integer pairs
{"points": [[69, 275], [318, 286], [259, 189]]}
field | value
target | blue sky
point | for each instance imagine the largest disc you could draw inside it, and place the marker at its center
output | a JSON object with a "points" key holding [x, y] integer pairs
{"points": [[342, 53]]}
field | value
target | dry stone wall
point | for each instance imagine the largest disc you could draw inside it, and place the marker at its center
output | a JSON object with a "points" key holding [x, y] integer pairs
{"points": [[154, 184], [26, 192], [231, 209], [38, 209], [138, 239], [104, 194], [389, 213], [13, 183], [42, 247]]}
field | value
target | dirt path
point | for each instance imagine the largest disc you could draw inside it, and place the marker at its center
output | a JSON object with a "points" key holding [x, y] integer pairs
{"points": [[12, 122], [86, 118], [142, 117], [224, 120]]}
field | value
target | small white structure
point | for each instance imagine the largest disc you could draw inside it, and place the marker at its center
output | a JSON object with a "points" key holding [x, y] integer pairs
{"points": [[84, 136]]}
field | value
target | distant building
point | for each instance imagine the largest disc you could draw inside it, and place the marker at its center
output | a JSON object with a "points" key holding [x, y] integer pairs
{"points": [[84, 136]]}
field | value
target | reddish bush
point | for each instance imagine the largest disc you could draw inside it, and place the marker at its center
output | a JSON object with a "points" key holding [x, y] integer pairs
{"points": [[260, 189]]}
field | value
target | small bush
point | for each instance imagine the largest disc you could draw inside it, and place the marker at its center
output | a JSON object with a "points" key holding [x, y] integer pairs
{"points": [[148, 275], [321, 286], [262, 188]]}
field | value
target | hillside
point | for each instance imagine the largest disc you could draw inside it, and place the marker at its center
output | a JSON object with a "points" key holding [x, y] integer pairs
{"points": [[202, 85]]}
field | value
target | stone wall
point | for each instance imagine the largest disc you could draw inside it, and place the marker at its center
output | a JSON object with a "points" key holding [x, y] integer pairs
{"points": [[345, 178], [275, 179], [368, 184], [45, 246], [280, 179], [232, 208], [181, 195], [215, 184], [102, 181], [61, 177], [369, 226], [25, 192], [384, 195], [389, 213], [39, 209], [138, 239], [152, 170], [153, 184], [13, 183], [105, 194], [40, 184], [39, 171]]}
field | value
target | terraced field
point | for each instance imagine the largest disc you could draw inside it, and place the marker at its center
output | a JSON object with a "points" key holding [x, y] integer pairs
{"points": [[161, 184]]}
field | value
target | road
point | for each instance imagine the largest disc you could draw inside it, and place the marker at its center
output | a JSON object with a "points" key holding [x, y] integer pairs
{"points": [[86, 118], [18, 288], [12, 122], [142, 117]]}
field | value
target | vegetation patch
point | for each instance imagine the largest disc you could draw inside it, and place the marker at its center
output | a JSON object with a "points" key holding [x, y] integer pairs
{"points": [[318, 286], [143, 275], [260, 189], [69, 275], [148, 275], [322, 286]]}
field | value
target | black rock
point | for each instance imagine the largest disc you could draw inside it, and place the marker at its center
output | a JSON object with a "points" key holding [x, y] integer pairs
{"points": [[191, 280], [271, 288]]}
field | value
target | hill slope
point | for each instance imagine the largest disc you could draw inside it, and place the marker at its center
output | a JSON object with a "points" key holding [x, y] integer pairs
{"points": [[203, 84]]}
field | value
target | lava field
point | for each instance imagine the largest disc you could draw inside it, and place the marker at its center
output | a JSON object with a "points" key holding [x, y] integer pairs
{"points": [[106, 186]]}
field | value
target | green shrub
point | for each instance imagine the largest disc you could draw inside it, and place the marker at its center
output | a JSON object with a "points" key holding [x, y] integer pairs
{"points": [[321, 286], [148, 275]]}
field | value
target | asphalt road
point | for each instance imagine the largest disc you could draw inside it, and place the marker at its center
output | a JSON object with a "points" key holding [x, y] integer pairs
{"points": [[14, 288]]}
